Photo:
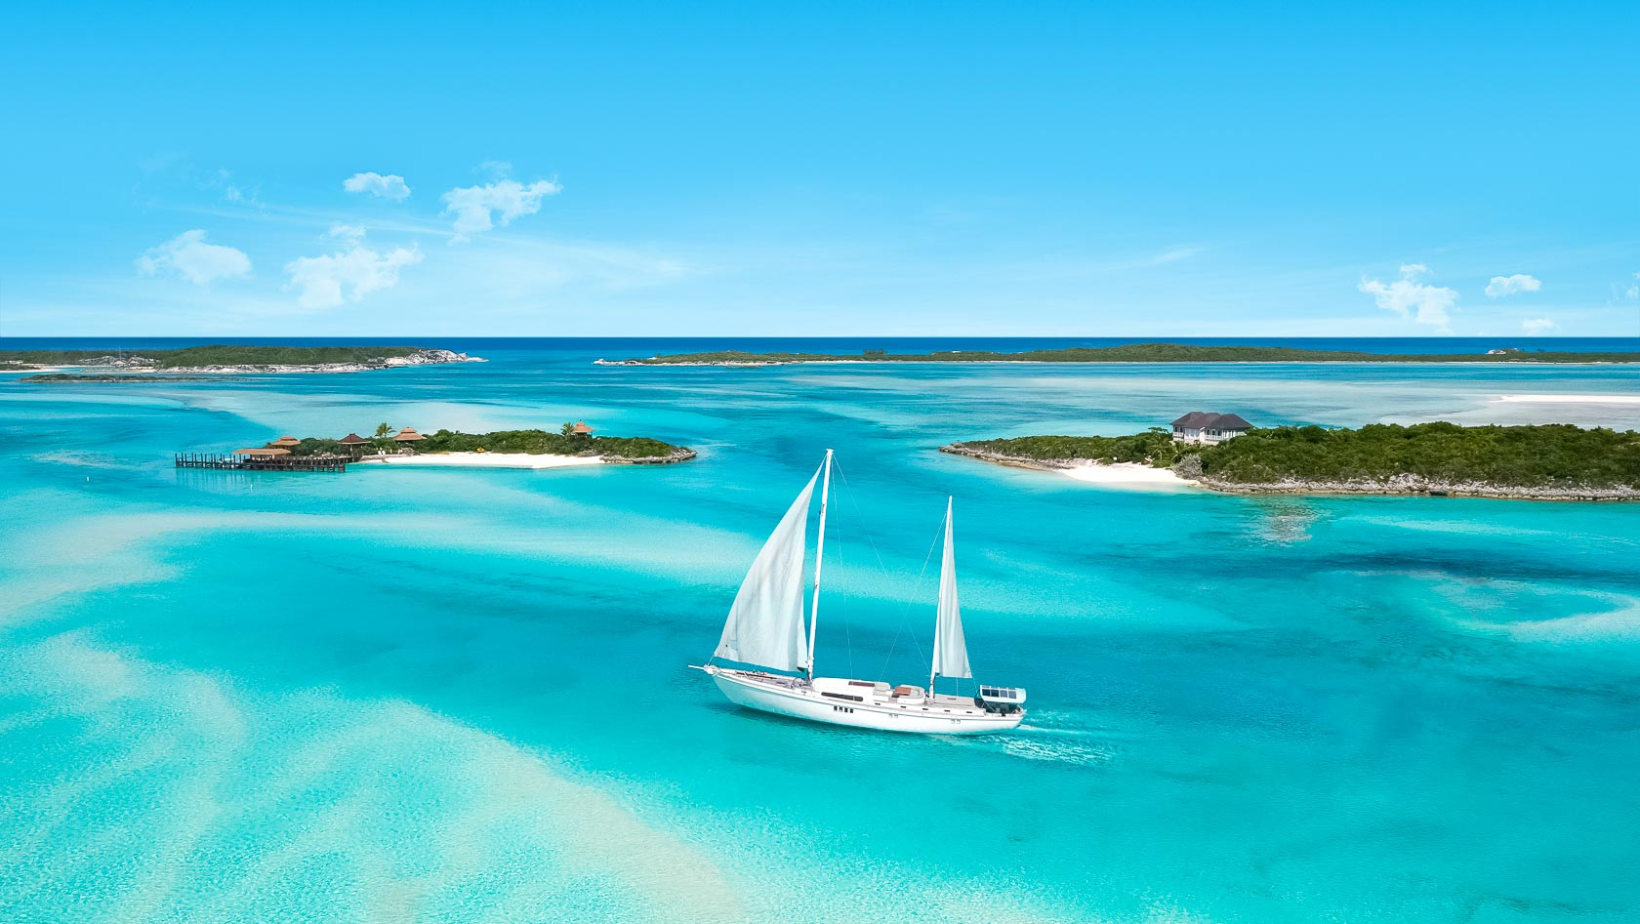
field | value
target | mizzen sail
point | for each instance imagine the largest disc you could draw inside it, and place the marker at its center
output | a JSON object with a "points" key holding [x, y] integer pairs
{"points": [[765, 624], [950, 648]]}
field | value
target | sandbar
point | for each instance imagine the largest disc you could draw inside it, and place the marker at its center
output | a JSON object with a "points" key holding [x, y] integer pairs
{"points": [[488, 460]]}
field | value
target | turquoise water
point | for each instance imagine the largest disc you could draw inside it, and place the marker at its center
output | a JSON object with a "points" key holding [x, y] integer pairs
{"points": [[442, 695]]}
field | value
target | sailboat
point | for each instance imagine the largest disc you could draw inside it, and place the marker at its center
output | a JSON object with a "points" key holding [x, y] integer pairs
{"points": [[766, 631]]}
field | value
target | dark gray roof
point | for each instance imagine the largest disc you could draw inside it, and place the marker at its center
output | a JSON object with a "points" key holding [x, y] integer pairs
{"points": [[1206, 421], [1195, 419]]}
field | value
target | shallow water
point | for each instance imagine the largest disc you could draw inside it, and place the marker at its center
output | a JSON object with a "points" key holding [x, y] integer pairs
{"points": [[441, 695]]}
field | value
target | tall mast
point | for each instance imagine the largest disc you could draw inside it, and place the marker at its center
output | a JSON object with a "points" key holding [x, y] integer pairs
{"points": [[934, 661], [819, 552]]}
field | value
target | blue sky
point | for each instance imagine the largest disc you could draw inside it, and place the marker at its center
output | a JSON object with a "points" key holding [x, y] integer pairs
{"points": [[882, 168]]}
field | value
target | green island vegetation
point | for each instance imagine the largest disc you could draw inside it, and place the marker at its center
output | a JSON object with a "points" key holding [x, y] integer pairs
{"points": [[1422, 458], [566, 442], [1136, 353], [196, 357]]}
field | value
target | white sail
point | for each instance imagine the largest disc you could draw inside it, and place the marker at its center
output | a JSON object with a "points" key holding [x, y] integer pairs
{"points": [[950, 648], [765, 624]]}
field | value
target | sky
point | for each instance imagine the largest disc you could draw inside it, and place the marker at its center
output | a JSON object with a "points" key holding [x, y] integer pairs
{"points": [[898, 168]]}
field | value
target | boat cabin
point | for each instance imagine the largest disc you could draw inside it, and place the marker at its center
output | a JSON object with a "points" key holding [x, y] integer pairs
{"points": [[848, 691], [1000, 699]]}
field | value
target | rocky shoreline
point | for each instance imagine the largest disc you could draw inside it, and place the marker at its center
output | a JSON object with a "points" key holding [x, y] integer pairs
{"points": [[1417, 486], [1398, 486], [1002, 458], [679, 455]]}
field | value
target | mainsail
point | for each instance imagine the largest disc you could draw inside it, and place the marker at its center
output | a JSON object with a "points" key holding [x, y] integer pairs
{"points": [[950, 648], [765, 624]]}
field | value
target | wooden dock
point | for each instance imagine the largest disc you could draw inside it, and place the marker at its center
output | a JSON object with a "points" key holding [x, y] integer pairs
{"points": [[235, 463]]}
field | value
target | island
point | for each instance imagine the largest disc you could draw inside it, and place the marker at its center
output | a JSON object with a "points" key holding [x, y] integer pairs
{"points": [[1538, 462], [125, 365], [1128, 353], [573, 444]]}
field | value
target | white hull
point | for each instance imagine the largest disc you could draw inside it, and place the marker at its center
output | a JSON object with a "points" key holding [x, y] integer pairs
{"points": [[869, 705]]}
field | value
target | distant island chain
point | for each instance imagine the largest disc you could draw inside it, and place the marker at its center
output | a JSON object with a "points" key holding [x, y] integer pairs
{"points": [[1216, 451], [126, 365], [1129, 353]]}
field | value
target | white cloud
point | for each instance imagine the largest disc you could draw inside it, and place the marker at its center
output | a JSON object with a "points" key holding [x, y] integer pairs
{"points": [[480, 208], [1512, 285], [1409, 298], [346, 232], [1634, 290], [1537, 327], [348, 274], [384, 187], [187, 255]]}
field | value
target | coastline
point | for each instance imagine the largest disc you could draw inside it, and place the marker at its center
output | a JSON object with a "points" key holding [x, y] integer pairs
{"points": [[522, 460], [1087, 471], [486, 460], [1126, 475], [1111, 474]]}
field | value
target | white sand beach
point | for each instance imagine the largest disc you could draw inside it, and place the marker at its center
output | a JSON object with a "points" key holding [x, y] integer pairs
{"points": [[1569, 399], [1126, 475], [488, 460]]}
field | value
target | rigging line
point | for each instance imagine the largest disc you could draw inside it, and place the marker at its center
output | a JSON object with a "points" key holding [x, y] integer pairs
{"points": [[848, 614], [843, 608], [856, 505], [899, 623], [915, 588], [905, 609]]}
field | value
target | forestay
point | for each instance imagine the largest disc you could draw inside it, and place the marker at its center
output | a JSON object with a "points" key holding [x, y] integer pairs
{"points": [[765, 624]]}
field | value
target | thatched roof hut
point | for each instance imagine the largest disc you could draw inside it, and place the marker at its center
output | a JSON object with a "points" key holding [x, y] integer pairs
{"points": [[408, 435], [581, 428], [352, 439], [284, 442]]}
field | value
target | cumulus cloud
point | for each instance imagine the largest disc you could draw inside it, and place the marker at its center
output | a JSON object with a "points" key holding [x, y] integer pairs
{"points": [[391, 186], [190, 257], [1512, 285], [348, 274], [1538, 326], [480, 208], [1410, 298]]}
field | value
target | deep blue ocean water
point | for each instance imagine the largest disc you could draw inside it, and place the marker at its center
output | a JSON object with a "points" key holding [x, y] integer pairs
{"points": [[453, 695]]}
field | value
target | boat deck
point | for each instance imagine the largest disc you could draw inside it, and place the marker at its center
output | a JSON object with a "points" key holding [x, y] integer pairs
{"points": [[871, 694]]}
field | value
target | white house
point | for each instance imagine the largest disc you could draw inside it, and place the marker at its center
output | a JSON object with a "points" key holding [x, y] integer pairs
{"points": [[1203, 427]]}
